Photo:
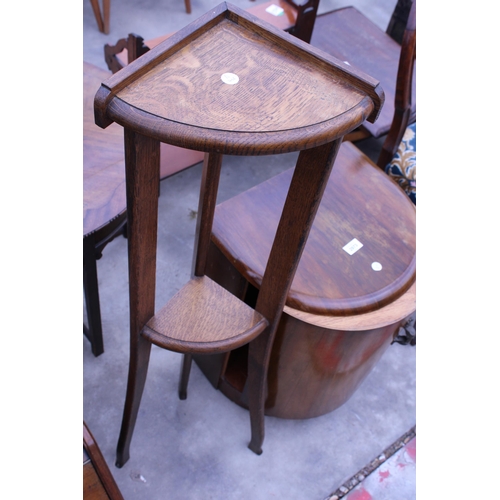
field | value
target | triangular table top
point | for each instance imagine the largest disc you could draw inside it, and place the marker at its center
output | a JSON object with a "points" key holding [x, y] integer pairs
{"points": [[227, 81]]}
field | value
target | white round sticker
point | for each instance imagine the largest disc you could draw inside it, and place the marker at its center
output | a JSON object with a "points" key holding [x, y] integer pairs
{"points": [[376, 266], [230, 78]]}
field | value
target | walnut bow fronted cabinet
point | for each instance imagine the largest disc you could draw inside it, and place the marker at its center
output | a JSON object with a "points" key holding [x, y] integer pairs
{"points": [[228, 83]]}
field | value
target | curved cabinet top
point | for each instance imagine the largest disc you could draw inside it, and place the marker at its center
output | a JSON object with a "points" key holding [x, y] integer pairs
{"points": [[360, 255], [233, 84]]}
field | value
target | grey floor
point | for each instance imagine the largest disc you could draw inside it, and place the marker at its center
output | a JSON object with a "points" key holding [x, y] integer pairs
{"points": [[197, 449]]}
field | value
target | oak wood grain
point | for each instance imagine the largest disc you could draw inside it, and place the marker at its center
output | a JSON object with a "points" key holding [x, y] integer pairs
{"points": [[344, 96], [203, 317], [269, 79], [241, 143], [301, 204], [153, 98], [142, 160]]}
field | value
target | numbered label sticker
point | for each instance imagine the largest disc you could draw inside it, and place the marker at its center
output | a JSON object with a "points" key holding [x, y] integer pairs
{"points": [[352, 247], [275, 10], [230, 78]]}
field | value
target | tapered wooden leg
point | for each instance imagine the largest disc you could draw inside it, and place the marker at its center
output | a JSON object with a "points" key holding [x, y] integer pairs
{"points": [[184, 378], [97, 14], [188, 6], [257, 388], [304, 196], [106, 12], [142, 167], [138, 370], [206, 207], [209, 185], [91, 292]]}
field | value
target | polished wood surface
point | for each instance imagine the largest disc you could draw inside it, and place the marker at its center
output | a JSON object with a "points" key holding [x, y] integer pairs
{"points": [[329, 280], [314, 371], [393, 313], [206, 115], [104, 205], [317, 362], [98, 483], [103, 160], [350, 36]]}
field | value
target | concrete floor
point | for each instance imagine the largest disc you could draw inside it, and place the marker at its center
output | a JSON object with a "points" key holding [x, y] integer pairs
{"points": [[197, 449]]}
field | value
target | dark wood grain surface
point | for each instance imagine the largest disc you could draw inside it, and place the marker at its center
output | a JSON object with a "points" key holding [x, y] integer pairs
{"points": [[350, 36], [103, 160], [360, 202]]}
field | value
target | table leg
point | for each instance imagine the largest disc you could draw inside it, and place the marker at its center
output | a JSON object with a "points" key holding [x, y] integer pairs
{"points": [[142, 216], [304, 196], [97, 14]]}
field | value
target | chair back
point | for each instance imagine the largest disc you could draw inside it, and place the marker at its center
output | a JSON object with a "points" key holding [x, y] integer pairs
{"points": [[399, 19], [403, 115], [306, 16]]}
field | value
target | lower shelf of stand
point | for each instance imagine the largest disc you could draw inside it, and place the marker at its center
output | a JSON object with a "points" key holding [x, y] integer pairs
{"points": [[204, 318]]}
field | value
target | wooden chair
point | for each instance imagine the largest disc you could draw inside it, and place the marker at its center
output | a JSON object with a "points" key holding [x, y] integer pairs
{"points": [[332, 301], [404, 110], [399, 19], [104, 203], [350, 36], [203, 318]]}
